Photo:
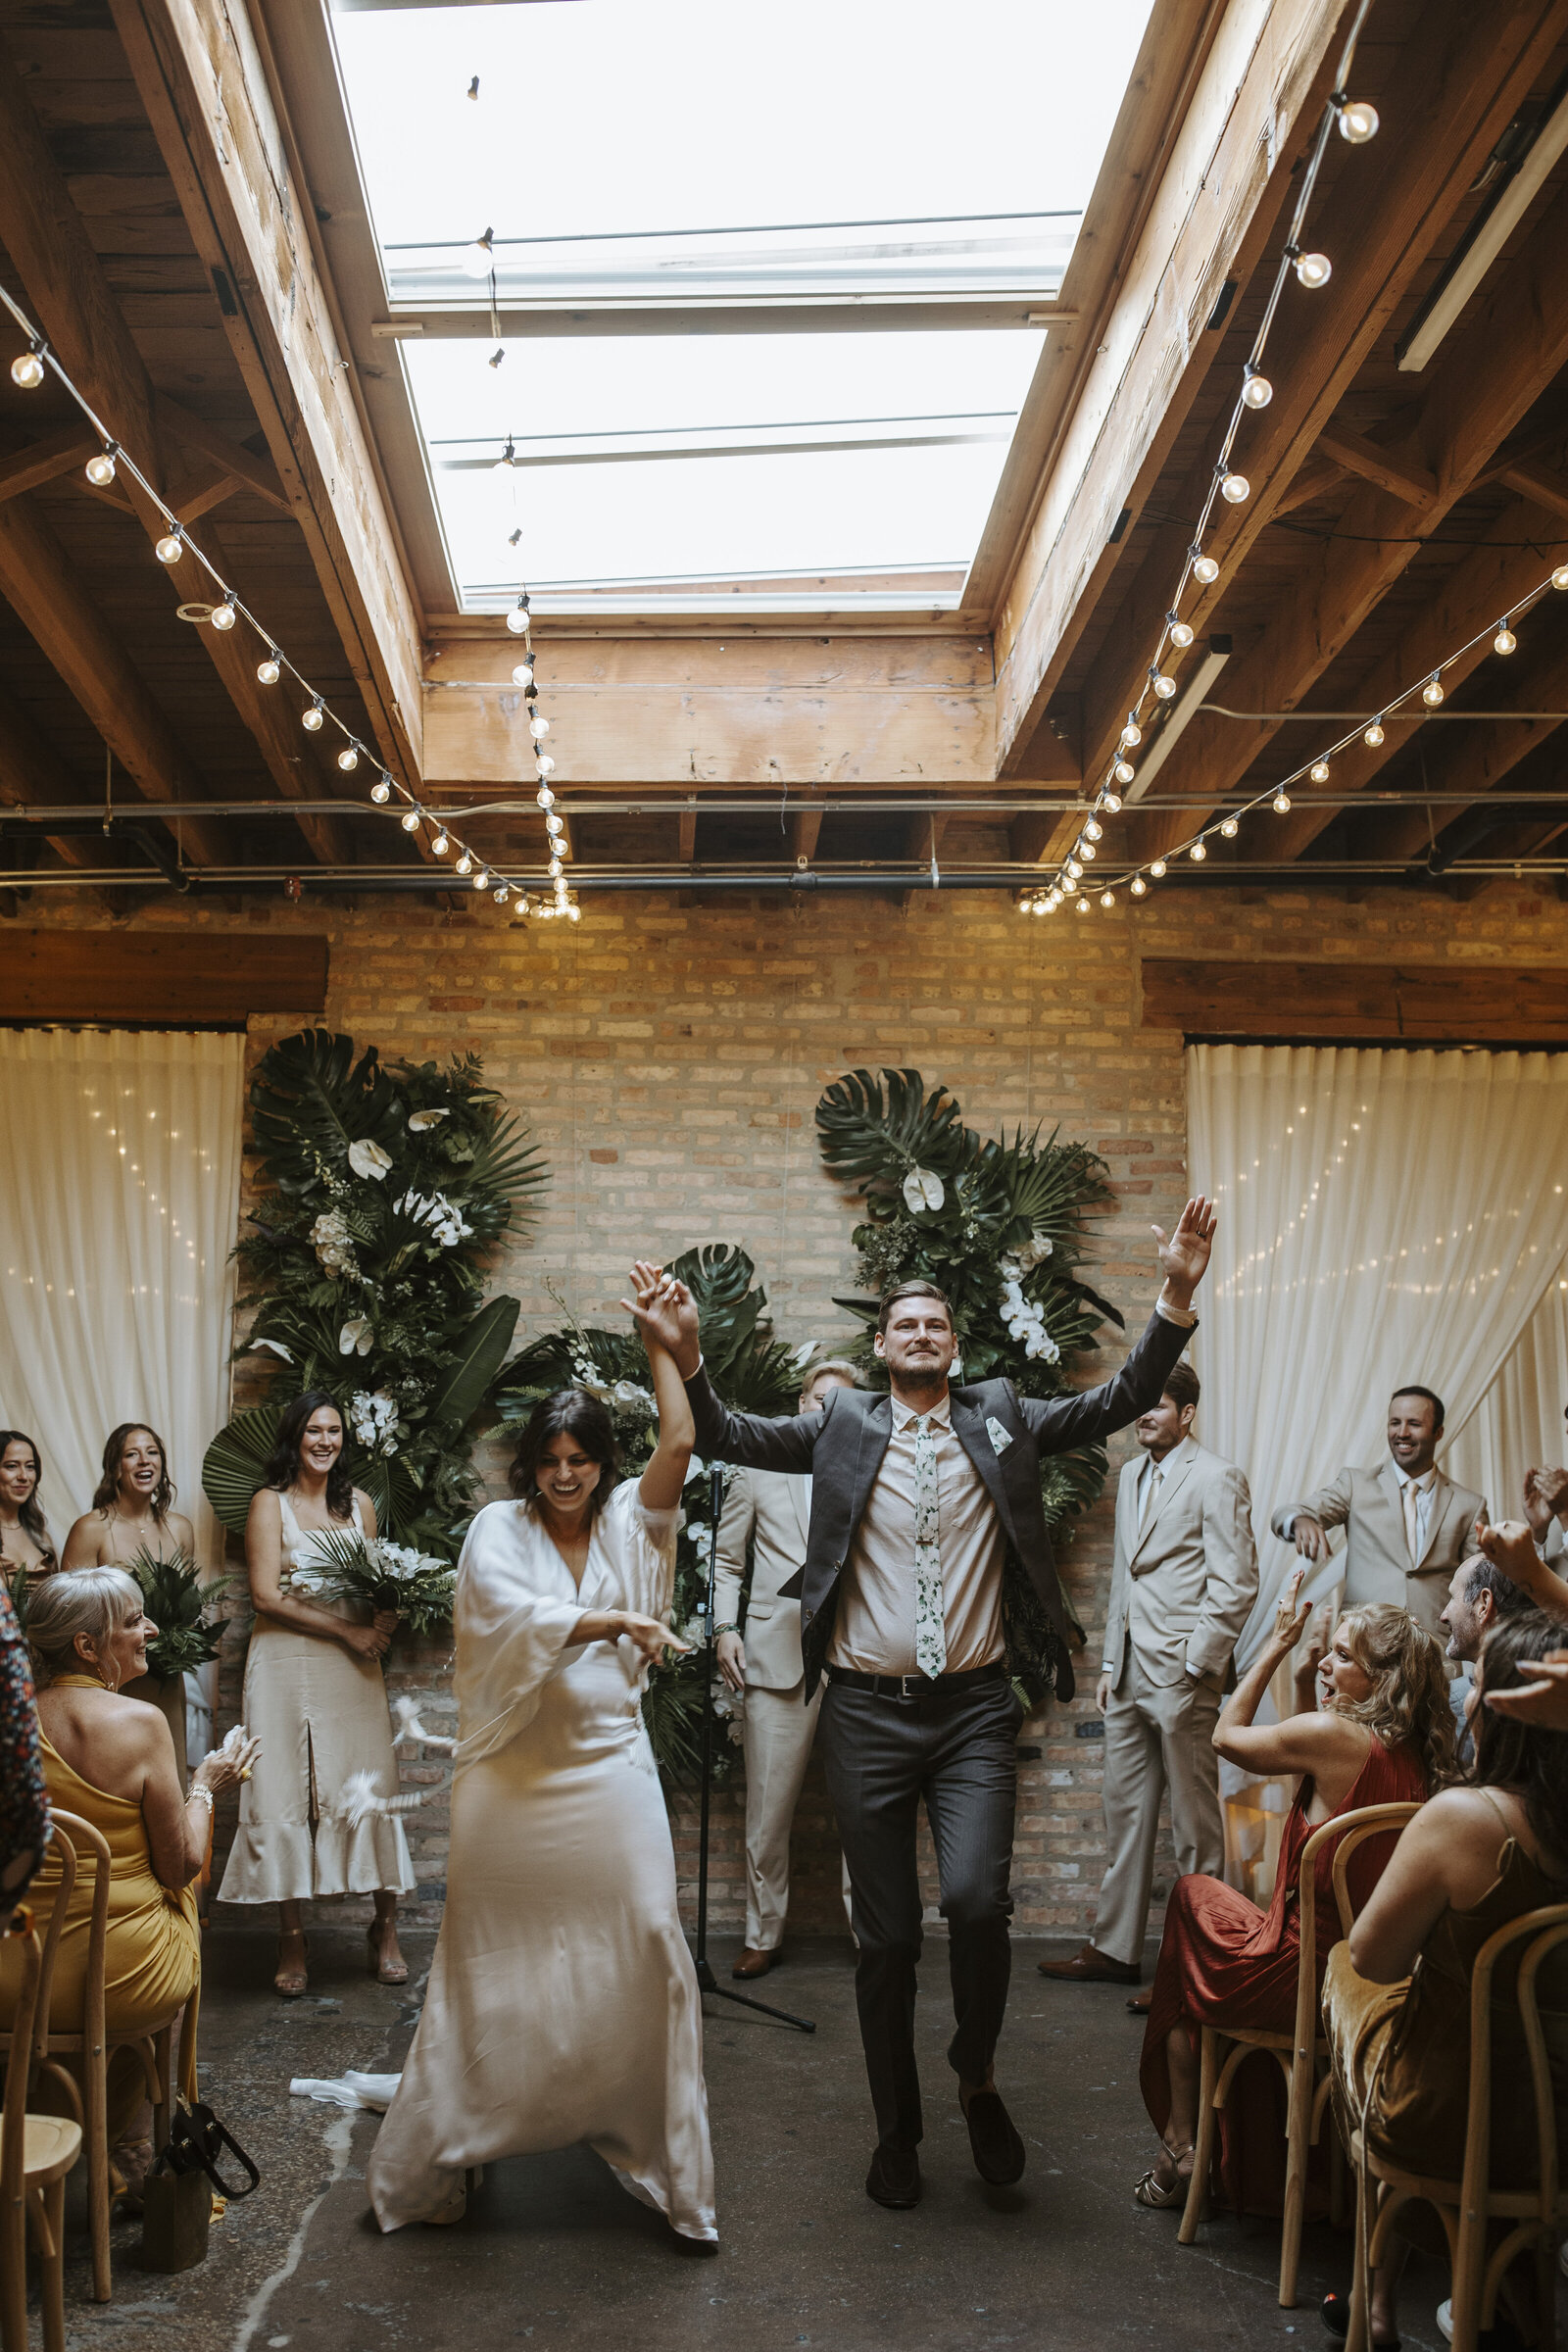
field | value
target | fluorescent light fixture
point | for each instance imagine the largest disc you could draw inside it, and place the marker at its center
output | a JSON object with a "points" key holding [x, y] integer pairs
{"points": [[1486, 240], [1179, 717]]}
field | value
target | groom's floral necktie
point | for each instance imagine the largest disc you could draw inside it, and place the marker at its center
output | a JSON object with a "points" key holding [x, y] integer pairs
{"points": [[930, 1627]]}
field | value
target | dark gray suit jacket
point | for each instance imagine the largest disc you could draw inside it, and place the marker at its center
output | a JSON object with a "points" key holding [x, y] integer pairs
{"points": [[842, 1448]]}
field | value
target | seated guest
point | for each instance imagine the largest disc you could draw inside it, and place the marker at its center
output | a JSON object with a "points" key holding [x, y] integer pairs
{"points": [[1480, 1596], [110, 1759], [24, 1539], [1399, 2032], [1383, 1736], [1407, 1525]]}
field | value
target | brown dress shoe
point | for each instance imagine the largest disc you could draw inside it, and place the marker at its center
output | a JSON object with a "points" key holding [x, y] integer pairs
{"points": [[1090, 1967], [754, 1964], [1141, 2003]]}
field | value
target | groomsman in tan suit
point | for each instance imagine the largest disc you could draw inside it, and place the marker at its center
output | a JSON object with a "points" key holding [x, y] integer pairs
{"points": [[770, 1509], [1407, 1525], [1183, 1581]]}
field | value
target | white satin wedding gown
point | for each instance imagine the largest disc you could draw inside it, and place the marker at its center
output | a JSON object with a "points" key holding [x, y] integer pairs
{"points": [[564, 2003]]}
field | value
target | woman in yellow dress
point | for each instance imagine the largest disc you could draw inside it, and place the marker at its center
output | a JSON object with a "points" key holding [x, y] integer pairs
{"points": [[133, 1510], [110, 1759]]}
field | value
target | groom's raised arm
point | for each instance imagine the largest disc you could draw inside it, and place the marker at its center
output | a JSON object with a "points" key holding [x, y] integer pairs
{"points": [[665, 1312]]}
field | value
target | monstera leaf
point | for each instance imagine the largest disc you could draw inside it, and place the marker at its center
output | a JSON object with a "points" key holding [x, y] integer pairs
{"points": [[311, 1097], [875, 1131]]}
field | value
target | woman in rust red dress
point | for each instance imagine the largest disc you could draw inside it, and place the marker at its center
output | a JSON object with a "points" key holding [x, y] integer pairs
{"points": [[1383, 1735]]}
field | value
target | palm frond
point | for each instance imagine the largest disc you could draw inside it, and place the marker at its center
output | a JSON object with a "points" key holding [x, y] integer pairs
{"points": [[874, 1129]]}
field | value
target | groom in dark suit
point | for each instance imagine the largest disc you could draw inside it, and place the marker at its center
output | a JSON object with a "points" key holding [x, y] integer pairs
{"points": [[928, 1581]]}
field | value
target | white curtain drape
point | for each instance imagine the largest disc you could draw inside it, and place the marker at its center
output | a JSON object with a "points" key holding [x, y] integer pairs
{"points": [[120, 1165], [1519, 1421], [1385, 1217]]}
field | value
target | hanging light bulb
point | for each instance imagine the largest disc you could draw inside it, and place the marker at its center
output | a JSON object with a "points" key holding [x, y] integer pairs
{"points": [[1124, 771], [1374, 734], [1199, 852], [514, 538], [554, 824], [313, 720], [1320, 771], [381, 789], [502, 894], [1181, 631], [1140, 888], [545, 797], [1108, 898], [1205, 567], [101, 469], [522, 675], [1164, 686], [481, 880], [544, 765], [347, 757], [1026, 906], [464, 863], [440, 846], [478, 259], [1074, 868], [1559, 578], [271, 670], [410, 820], [1093, 831], [1506, 640], [517, 617], [1132, 734], [1157, 869], [1235, 489], [555, 869], [1432, 692], [170, 547], [225, 615], [1229, 828], [1087, 851], [1282, 804], [497, 356], [1358, 122], [1257, 390], [1083, 905], [538, 726], [573, 912], [1315, 270], [1111, 802], [26, 373], [508, 459]]}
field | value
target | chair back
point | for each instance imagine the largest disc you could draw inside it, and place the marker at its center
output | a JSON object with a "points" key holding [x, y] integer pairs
{"points": [[64, 1852], [1351, 1830], [1545, 1929], [18, 2058], [82, 1835]]}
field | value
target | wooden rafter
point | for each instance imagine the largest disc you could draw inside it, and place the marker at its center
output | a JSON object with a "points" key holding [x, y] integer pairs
{"points": [[45, 461], [31, 778], [1478, 758]]}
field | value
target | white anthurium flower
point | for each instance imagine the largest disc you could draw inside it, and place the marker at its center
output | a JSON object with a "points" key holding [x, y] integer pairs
{"points": [[355, 1336], [419, 1120], [803, 1354], [369, 1160], [277, 1348], [923, 1188]]}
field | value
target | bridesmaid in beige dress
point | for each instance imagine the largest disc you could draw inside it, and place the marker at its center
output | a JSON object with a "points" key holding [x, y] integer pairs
{"points": [[315, 1699], [24, 1539], [133, 1510], [563, 2005]]}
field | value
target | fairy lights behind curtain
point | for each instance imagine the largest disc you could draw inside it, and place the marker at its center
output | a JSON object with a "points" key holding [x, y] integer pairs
{"points": [[1385, 1217], [119, 1163], [1519, 1421]]}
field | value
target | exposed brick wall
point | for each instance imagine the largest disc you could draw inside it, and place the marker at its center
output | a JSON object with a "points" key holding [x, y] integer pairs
{"points": [[667, 1057]]}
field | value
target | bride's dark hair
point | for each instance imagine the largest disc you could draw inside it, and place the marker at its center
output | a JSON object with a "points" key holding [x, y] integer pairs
{"points": [[573, 1413]]}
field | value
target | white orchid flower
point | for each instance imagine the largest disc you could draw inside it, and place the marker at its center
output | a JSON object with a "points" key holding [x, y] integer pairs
{"points": [[369, 1160], [419, 1120], [923, 1188], [277, 1348], [355, 1334]]}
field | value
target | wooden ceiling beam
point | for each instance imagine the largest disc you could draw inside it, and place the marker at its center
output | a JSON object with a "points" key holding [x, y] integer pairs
{"points": [[39, 582], [1477, 759], [258, 475], [1223, 182], [45, 461], [200, 76], [31, 778], [1315, 479], [1543, 483], [1490, 375], [205, 491], [1355, 454], [1462, 80]]}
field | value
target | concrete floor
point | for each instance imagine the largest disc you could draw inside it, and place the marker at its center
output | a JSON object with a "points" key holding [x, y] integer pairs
{"points": [[553, 2254]]}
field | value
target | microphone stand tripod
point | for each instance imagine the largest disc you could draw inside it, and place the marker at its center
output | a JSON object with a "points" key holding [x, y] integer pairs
{"points": [[707, 1981]]}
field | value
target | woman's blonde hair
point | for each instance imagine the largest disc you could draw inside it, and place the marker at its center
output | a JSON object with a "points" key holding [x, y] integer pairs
{"points": [[96, 1602], [1408, 1702]]}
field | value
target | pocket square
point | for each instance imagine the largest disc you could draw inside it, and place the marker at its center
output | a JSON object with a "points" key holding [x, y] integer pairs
{"points": [[1000, 1438]]}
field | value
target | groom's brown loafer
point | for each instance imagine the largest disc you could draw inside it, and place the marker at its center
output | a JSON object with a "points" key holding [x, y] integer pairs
{"points": [[1090, 1967], [754, 1964]]}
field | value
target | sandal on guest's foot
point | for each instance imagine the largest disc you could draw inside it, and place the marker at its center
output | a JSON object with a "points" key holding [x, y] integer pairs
{"points": [[1157, 2194], [292, 1979], [1334, 2313], [383, 1969]]}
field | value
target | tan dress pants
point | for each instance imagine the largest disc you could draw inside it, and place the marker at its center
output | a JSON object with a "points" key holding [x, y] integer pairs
{"points": [[777, 1730], [1158, 1735]]}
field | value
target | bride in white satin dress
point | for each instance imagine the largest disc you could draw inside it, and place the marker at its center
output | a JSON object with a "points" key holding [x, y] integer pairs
{"points": [[563, 2005]]}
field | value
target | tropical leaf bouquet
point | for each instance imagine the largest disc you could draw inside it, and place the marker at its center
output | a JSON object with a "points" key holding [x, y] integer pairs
{"points": [[750, 1371], [382, 1575], [388, 1188], [179, 1604]]}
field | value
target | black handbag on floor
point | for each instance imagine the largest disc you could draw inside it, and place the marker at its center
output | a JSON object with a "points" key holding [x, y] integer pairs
{"points": [[177, 2196]]}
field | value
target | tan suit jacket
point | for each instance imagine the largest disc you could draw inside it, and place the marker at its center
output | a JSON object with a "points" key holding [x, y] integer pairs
{"points": [[1366, 1503], [771, 1509], [1183, 1583]]}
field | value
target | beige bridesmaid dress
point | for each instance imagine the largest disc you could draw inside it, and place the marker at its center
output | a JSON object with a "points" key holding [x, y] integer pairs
{"points": [[321, 1714]]}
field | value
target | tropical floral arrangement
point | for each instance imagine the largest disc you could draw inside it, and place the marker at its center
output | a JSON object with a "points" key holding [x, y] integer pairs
{"points": [[750, 1371], [388, 1187], [381, 1574], [178, 1603]]}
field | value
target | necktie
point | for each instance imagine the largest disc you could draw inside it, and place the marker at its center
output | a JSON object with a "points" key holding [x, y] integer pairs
{"points": [[1412, 1524], [1152, 1486], [930, 1627]]}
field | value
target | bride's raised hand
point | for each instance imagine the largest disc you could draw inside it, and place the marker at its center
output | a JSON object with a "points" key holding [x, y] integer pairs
{"points": [[666, 1313], [1289, 1624]]}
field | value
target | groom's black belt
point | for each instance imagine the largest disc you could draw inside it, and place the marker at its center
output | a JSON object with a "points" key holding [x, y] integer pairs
{"points": [[917, 1686]]}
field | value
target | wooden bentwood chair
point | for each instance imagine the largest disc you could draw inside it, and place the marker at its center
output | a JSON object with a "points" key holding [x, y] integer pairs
{"points": [[1303, 2054], [1465, 2206], [36, 2152]]}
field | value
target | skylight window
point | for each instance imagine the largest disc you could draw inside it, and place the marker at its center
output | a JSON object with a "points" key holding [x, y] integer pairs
{"points": [[621, 280]]}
